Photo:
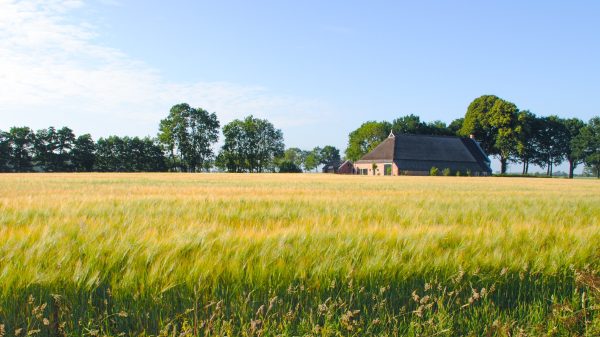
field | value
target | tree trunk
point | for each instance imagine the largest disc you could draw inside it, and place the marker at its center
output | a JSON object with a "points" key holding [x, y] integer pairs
{"points": [[525, 167], [571, 169], [503, 165]]}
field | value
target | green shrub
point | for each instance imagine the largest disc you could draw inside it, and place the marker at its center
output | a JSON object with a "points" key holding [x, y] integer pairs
{"points": [[458, 173], [287, 166], [433, 171], [446, 172]]}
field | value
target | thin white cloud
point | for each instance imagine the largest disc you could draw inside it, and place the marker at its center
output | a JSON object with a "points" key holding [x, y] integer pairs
{"points": [[52, 72]]}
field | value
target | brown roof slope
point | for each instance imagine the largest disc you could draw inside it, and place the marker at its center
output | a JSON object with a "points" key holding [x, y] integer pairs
{"points": [[383, 151]]}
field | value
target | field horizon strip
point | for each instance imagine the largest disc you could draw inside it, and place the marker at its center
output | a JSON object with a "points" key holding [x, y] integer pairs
{"points": [[162, 245]]}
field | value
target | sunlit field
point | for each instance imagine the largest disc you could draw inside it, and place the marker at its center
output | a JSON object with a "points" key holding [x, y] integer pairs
{"points": [[298, 255]]}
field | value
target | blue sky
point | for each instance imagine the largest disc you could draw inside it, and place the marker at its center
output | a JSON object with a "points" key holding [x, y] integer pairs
{"points": [[317, 69]]}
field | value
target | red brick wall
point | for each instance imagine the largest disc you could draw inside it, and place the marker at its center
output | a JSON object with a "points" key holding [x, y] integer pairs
{"points": [[346, 168]]}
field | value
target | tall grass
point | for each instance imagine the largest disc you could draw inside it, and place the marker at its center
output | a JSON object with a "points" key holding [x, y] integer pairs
{"points": [[320, 255]]}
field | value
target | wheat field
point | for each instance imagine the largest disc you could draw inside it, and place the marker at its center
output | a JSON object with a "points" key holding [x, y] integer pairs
{"points": [[298, 255]]}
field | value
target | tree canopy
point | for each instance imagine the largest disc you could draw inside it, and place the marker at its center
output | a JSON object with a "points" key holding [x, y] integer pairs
{"points": [[83, 154], [493, 122], [328, 154], [312, 159], [573, 127], [21, 141], [52, 149], [307, 160], [476, 122], [551, 142], [527, 129], [188, 134], [586, 145], [412, 124], [126, 154], [4, 152], [250, 145], [366, 138]]}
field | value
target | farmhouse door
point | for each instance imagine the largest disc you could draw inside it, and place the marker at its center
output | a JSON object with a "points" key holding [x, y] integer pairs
{"points": [[387, 169]]}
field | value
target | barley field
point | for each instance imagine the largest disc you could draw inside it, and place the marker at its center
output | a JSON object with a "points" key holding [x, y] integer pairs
{"points": [[298, 255]]}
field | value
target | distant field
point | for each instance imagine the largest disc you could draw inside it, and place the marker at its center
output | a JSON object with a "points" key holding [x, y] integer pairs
{"points": [[298, 255]]}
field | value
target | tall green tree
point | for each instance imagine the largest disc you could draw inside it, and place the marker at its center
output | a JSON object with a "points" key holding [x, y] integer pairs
{"points": [[328, 154], [21, 141], [52, 149], [586, 145], [65, 141], [493, 122], [44, 143], [110, 155], [83, 154], [250, 145], [312, 159], [572, 127], [476, 122], [294, 155], [232, 156], [455, 126], [552, 142], [503, 118], [4, 151], [188, 134], [366, 138], [526, 131]]}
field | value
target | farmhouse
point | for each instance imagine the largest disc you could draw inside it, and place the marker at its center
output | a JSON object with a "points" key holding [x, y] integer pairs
{"points": [[406, 154]]}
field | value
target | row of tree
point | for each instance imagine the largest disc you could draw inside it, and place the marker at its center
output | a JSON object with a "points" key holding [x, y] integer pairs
{"points": [[185, 142], [297, 160], [52, 150], [187, 137], [519, 136], [504, 131]]}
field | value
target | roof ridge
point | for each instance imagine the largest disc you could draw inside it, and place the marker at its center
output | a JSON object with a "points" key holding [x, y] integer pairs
{"points": [[425, 135]]}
